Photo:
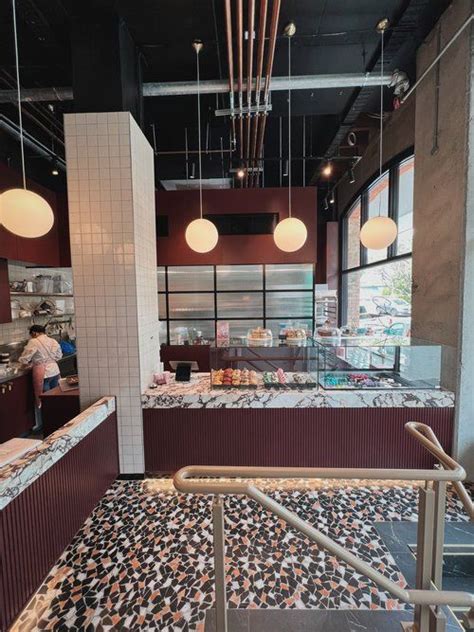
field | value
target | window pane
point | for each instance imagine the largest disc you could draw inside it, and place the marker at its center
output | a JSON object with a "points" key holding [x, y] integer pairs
{"points": [[191, 278], [289, 305], [191, 305], [162, 306], [298, 276], [379, 298], [161, 279], [405, 206], [378, 205], [239, 329], [274, 325], [352, 237], [185, 332], [162, 332], [239, 277], [239, 305]]}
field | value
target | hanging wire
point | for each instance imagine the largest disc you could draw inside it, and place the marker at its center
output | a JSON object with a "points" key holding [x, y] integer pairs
{"points": [[199, 130], [289, 126], [20, 117]]}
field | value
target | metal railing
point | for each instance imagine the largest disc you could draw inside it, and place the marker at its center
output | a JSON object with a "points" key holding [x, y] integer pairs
{"points": [[428, 597]]}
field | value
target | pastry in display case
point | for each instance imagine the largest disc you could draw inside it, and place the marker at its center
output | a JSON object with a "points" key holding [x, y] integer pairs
{"points": [[378, 363], [260, 337], [270, 367]]}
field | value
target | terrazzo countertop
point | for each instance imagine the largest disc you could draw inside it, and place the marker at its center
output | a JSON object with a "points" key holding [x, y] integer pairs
{"points": [[22, 472], [198, 394]]}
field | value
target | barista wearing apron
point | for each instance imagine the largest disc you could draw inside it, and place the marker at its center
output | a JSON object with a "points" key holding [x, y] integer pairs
{"points": [[42, 352]]}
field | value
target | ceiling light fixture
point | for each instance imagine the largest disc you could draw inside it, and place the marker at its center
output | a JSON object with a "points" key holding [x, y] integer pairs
{"points": [[201, 234], [379, 232], [23, 212], [241, 173], [327, 169], [352, 177], [290, 234], [325, 203], [54, 168], [332, 198]]}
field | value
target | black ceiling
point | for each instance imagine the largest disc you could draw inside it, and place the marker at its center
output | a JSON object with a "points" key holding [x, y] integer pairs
{"points": [[333, 36]]}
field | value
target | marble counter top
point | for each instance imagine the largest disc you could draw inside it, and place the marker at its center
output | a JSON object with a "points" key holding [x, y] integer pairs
{"points": [[198, 394], [23, 471]]}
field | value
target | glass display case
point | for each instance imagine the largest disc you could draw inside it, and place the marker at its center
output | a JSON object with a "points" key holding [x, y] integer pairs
{"points": [[378, 363], [273, 366]]}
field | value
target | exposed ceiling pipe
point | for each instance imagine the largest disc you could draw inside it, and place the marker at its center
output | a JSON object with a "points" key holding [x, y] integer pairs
{"points": [[240, 44], [213, 86], [258, 86], [37, 146], [250, 30], [230, 60], [268, 74]]}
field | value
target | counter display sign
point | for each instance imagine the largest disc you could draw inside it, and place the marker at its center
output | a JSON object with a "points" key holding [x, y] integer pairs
{"points": [[223, 333]]}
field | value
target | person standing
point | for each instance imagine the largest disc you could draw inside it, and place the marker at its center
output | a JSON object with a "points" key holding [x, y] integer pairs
{"points": [[43, 353]]}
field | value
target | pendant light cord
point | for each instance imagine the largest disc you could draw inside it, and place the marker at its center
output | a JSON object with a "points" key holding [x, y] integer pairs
{"points": [[289, 126], [199, 133], [20, 117], [381, 105]]}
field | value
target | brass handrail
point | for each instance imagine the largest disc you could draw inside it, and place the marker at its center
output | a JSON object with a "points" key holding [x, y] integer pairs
{"points": [[425, 435], [423, 597]]}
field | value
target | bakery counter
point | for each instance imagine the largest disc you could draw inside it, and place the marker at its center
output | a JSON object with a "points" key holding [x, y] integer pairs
{"points": [[199, 394], [192, 423]]}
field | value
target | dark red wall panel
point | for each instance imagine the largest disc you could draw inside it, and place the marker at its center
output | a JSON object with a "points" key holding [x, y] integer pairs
{"points": [[306, 437], [38, 524], [182, 207]]}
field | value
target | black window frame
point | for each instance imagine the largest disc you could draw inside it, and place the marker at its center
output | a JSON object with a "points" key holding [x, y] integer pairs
{"points": [[264, 291], [393, 170]]}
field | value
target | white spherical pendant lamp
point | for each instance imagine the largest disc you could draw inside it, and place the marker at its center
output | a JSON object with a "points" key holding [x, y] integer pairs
{"points": [[201, 235], [25, 213], [290, 234], [378, 233]]}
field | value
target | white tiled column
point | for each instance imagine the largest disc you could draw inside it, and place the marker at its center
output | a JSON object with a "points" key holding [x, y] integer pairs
{"points": [[111, 192]]}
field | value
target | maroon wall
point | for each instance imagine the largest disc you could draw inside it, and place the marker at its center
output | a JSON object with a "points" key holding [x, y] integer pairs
{"points": [[40, 522], [182, 207], [45, 250], [290, 437]]}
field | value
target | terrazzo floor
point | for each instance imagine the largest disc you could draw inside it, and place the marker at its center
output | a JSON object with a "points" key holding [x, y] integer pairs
{"points": [[143, 559]]}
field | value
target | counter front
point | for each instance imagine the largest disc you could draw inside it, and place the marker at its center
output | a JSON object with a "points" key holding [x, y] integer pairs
{"points": [[195, 424]]}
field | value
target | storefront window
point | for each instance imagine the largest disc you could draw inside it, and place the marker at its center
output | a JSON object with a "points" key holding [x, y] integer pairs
{"points": [[406, 176], [379, 297], [352, 236]]}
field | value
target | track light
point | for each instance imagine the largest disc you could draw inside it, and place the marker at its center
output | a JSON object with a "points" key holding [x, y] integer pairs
{"points": [[192, 175], [241, 173], [332, 197], [327, 169], [54, 168], [352, 177], [285, 169], [325, 204]]}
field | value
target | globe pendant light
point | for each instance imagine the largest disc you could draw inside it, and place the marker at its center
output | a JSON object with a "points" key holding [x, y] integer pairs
{"points": [[290, 234], [23, 212], [379, 232], [201, 234]]}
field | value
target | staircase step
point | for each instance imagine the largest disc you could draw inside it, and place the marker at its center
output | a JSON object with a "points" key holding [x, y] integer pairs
{"points": [[273, 620]]}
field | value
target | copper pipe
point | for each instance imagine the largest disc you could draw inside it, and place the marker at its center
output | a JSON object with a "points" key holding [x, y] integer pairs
{"points": [[240, 36], [230, 58], [261, 47], [268, 74]]}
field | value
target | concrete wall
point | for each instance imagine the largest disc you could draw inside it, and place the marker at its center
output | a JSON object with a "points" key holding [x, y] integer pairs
{"points": [[440, 183]]}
